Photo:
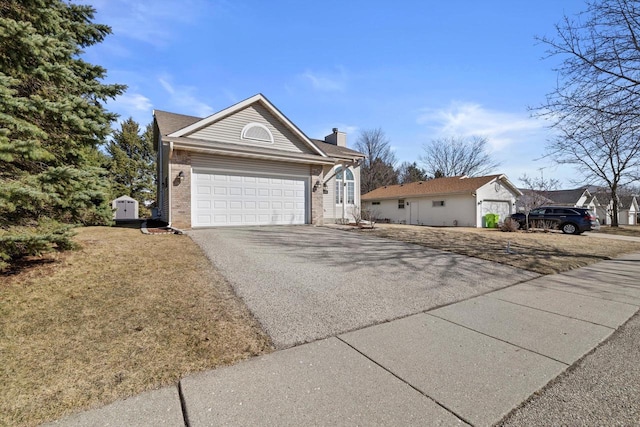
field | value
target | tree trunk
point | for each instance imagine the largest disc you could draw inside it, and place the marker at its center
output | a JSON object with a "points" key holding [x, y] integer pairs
{"points": [[614, 206]]}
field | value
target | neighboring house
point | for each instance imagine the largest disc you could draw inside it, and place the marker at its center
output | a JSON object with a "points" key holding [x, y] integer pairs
{"points": [[577, 198], [250, 165], [627, 209], [452, 201]]}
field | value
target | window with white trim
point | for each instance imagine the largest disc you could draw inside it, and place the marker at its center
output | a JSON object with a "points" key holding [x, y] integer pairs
{"points": [[345, 183], [401, 204], [375, 203], [257, 132], [437, 203]]}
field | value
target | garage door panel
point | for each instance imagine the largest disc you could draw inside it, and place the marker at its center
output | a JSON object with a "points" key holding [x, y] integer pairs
{"points": [[220, 190], [500, 207], [204, 218], [203, 189], [236, 199]]}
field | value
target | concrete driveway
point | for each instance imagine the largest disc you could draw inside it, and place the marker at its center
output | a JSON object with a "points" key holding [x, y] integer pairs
{"points": [[305, 283]]}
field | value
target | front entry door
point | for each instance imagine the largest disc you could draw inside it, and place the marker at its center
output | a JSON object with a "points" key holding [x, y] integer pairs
{"points": [[414, 213]]}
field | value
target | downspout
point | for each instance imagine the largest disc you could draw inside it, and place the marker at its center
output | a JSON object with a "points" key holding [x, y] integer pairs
{"points": [[160, 183], [169, 186]]}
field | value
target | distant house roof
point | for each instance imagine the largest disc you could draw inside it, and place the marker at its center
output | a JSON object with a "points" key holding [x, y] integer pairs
{"points": [[564, 197], [540, 196], [626, 201], [437, 186]]}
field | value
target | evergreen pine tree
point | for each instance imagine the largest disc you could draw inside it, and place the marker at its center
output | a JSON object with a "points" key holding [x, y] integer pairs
{"points": [[132, 163], [52, 119]]}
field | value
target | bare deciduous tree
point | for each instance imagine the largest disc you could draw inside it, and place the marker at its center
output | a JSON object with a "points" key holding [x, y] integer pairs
{"points": [[595, 108], [604, 149], [455, 156], [601, 69], [535, 192], [378, 167]]}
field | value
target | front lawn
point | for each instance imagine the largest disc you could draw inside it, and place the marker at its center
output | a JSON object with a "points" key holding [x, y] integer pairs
{"points": [[541, 252], [622, 230], [126, 313]]}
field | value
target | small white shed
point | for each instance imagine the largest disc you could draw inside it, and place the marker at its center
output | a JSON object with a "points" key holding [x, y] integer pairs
{"points": [[125, 207]]}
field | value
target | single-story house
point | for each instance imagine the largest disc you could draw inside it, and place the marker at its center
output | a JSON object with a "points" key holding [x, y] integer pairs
{"points": [[250, 165], [452, 201], [627, 209]]}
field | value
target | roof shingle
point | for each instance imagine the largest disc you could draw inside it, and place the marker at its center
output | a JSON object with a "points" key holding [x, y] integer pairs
{"points": [[171, 122], [437, 186]]}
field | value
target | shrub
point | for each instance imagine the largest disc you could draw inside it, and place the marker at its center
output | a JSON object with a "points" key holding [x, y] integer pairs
{"points": [[509, 225]]}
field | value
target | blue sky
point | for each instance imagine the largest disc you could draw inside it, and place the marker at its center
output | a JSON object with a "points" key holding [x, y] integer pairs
{"points": [[420, 70]]}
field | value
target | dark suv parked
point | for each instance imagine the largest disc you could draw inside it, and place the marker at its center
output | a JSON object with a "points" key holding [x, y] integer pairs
{"points": [[569, 220]]}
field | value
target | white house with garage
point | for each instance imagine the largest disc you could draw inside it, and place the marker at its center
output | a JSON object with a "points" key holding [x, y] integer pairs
{"points": [[250, 165], [627, 209], [452, 201]]}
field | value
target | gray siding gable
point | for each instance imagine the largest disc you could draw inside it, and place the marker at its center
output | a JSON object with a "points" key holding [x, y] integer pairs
{"points": [[228, 130]]}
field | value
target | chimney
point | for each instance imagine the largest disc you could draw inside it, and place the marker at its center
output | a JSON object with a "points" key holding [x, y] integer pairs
{"points": [[337, 138]]}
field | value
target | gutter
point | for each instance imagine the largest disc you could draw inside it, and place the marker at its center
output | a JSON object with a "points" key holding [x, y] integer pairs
{"points": [[406, 196], [240, 151]]}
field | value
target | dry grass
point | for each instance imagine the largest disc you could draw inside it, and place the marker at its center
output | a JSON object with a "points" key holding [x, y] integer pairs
{"points": [[623, 230], [541, 252], [126, 313]]}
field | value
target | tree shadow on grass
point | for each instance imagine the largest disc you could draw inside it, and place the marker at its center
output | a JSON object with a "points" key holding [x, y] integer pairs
{"points": [[129, 223], [23, 265]]}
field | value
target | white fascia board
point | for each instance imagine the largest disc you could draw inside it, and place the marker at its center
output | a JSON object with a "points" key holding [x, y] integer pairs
{"points": [[241, 105], [283, 157], [420, 196]]}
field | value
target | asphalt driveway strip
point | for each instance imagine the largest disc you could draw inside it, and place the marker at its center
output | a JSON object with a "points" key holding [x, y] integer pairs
{"points": [[305, 283]]}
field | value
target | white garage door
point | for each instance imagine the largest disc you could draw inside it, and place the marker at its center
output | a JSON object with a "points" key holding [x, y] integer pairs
{"points": [[500, 207], [221, 198]]}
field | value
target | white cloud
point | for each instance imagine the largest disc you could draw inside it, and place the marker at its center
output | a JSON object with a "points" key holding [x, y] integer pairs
{"points": [[182, 99], [134, 102], [133, 105], [149, 22], [327, 81], [501, 128]]}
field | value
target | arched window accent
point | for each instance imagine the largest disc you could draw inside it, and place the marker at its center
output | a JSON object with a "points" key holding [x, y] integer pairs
{"points": [[257, 132], [345, 186]]}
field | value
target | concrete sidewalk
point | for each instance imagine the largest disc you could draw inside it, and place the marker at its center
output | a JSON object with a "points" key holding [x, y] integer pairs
{"points": [[471, 362]]}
